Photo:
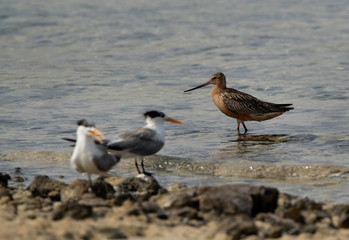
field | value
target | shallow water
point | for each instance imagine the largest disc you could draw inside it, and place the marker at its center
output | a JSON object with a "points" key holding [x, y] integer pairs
{"points": [[109, 62]]}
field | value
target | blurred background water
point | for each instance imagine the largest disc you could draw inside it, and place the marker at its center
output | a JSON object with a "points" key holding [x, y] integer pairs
{"points": [[110, 61]]}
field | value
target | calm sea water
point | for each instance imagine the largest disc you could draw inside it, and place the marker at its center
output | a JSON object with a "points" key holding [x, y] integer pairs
{"points": [[109, 61]]}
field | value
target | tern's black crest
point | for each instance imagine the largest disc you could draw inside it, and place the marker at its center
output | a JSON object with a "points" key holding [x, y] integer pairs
{"points": [[154, 114], [85, 123]]}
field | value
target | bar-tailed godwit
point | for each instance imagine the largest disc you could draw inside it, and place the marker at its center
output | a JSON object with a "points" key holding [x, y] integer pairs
{"points": [[239, 105]]}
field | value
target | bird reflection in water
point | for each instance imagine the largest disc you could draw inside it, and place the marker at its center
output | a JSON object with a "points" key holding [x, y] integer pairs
{"points": [[247, 143]]}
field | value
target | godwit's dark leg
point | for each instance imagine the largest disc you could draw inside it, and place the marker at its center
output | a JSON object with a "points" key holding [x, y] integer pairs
{"points": [[243, 124], [238, 122], [136, 164]]}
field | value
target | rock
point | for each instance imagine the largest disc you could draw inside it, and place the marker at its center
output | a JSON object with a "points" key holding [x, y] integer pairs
{"points": [[315, 216], [75, 190], [272, 226], [25, 204], [307, 204], [180, 200], [4, 179], [118, 235], [7, 213], [102, 188], [72, 209], [253, 237], [89, 199], [222, 200], [143, 187], [238, 226], [186, 214], [176, 187], [301, 210], [288, 201], [54, 195], [22, 195], [264, 198], [183, 206], [232, 199], [293, 213], [5, 192], [145, 208], [311, 229], [113, 180], [18, 179], [340, 216], [138, 210], [120, 198], [43, 185]]}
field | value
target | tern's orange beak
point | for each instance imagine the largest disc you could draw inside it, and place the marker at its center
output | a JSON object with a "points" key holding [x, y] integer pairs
{"points": [[200, 86], [96, 133], [172, 120]]}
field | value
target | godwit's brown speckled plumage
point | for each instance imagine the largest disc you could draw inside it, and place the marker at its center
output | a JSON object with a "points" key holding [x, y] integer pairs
{"points": [[240, 105]]}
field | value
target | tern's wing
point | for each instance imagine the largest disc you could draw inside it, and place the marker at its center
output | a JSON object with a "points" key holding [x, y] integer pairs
{"points": [[105, 161], [132, 140], [69, 139], [105, 141]]}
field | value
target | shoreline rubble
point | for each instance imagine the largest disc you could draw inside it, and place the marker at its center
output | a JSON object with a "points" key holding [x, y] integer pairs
{"points": [[140, 208]]}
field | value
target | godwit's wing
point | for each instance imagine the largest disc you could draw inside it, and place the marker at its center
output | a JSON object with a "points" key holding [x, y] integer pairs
{"points": [[242, 103]]}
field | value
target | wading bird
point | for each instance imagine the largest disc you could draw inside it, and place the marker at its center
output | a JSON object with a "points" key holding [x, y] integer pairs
{"points": [[239, 105]]}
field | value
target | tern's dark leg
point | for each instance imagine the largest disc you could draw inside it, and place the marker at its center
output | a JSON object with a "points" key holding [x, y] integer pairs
{"points": [[89, 182], [89, 178], [136, 164], [145, 172]]}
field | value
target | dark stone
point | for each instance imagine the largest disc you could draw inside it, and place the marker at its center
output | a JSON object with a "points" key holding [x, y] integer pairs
{"points": [[342, 213], [242, 198], [43, 185], [279, 224], [75, 190], [293, 213], [298, 209], [238, 226], [120, 198], [343, 221], [93, 201], [102, 188], [140, 185], [147, 208], [54, 196], [18, 179], [18, 170], [73, 210], [307, 204], [4, 191], [4, 179], [311, 228], [118, 235], [186, 213], [182, 199], [264, 198], [223, 201]]}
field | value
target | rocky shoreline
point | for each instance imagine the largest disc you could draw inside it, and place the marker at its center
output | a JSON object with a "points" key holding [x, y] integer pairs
{"points": [[140, 208]]}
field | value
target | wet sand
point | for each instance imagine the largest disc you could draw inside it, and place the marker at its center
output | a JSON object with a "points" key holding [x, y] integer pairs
{"points": [[318, 182]]}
